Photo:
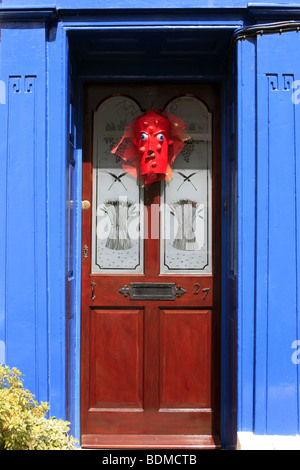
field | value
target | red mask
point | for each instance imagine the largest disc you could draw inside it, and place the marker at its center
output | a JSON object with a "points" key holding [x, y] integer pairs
{"points": [[152, 137], [150, 145]]}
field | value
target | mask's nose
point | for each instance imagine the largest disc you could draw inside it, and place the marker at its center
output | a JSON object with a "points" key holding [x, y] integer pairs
{"points": [[150, 153]]}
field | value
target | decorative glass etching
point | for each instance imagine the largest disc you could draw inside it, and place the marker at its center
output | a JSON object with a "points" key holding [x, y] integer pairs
{"points": [[117, 196], [186, 200]]}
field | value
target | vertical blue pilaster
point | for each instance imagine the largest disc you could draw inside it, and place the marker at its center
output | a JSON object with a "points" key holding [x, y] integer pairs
{"points": [[246, 230], [23, 204], [57, 125], [3, 162], [33, 119], [277, 251], [229, 251], [268, 300]]}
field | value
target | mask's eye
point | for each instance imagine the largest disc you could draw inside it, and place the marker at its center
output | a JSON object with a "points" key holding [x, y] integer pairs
{"points": [[160, 137], [144, 136]]}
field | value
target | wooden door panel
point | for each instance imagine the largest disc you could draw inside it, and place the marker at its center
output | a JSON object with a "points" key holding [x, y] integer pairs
{"points": [[149, 441], [116, 359], [153, 423], [149, 370], [185, 351]]}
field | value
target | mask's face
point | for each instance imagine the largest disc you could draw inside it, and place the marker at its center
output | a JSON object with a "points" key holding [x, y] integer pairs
{"points": [[152, 139]]}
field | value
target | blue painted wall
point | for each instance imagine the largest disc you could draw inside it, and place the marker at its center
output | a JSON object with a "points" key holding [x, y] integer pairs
{"points": [[268, 234], [23, 204], [33, 143], [246, 226], [40, 152], [276, 276]]}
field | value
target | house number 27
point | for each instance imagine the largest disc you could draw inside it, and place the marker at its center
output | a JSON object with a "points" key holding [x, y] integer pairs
{"points": [[205, 291]]}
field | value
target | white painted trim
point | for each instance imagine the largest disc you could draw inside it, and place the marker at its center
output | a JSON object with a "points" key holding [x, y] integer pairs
{"points": [[250, 441]]}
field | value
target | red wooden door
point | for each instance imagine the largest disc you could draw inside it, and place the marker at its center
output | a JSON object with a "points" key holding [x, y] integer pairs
{"points": [[150, 369]]}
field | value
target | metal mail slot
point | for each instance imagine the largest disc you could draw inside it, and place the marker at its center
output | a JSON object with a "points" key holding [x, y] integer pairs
{"points": [[152, 291]]}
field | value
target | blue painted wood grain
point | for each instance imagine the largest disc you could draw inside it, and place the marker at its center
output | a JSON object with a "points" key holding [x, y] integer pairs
{"points": [[229, 250], [246, 201], [276, 387], [33, 202], [268, 234], [25, 324], [57, 125]]}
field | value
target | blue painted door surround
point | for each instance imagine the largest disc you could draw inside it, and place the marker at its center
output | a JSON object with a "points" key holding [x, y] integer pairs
{"points": [[43, 65], [33, 123], [269, 182]]}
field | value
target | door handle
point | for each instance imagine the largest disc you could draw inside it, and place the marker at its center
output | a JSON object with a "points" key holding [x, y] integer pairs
{"points": [[85, 205], [93, 289]]}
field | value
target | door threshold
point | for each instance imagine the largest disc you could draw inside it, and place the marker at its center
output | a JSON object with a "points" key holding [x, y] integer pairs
{"points": [[133, 441]]}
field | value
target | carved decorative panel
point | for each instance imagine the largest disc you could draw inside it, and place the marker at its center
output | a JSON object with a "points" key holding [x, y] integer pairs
{"points": [[121, 365], [192, 330]]}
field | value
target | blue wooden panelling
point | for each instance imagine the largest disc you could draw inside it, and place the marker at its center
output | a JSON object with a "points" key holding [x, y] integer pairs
{"points": [[268, 215], [57, 125], [3, 160], [33, 205], [229, 268], [246, 118], [23, 205], [276, 394], [73, 285]]}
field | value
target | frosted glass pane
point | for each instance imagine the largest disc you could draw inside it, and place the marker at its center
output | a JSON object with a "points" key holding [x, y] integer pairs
{"points": [[117, 196], [186, 200]]}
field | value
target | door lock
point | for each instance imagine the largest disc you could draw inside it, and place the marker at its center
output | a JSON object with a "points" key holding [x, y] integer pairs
{"points": [[85, 252]]}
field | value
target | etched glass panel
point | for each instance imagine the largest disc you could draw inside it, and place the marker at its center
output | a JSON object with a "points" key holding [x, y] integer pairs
{"points": [[186, 217], [117, 196]]}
